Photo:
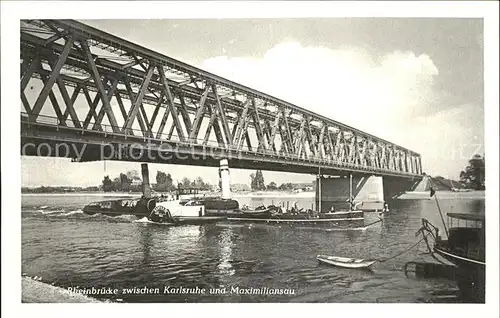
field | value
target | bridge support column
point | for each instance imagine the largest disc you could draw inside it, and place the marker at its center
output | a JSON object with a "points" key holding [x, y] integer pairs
{"points": [[146, 189]]}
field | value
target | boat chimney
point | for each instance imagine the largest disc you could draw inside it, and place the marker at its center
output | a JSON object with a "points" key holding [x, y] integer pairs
{"points": [[224, 175], [146, 189]]}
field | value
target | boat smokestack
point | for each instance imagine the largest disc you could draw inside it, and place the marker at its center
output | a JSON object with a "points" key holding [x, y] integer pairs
{"points": [[146, 189], [224, 175]]}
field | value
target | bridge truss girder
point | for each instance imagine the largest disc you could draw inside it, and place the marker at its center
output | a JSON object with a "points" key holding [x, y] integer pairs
{"points": [[67, 57]]}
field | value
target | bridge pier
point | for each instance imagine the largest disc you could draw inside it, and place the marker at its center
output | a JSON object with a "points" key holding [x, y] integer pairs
{"points": [[394, 187], [373, 191], [335, 191], [146, 188]]}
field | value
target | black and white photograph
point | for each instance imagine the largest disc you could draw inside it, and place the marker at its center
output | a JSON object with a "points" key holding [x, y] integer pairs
{"points": [[254, 155]]}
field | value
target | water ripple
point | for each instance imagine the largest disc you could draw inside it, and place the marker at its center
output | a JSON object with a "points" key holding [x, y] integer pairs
{"points": [[69, 248]]}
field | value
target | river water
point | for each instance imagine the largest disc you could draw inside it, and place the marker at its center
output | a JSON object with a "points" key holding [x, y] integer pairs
{"points": [[70, 249]]}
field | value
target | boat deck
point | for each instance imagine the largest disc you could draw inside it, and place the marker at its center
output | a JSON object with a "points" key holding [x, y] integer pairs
{"points": [[199, 220]]}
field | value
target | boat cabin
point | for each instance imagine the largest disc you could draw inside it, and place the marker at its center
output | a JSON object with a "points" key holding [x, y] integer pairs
{"points": [[466, 235], [102, 205], [188, 193], [465, 220], [121, 206], [114, 204]]}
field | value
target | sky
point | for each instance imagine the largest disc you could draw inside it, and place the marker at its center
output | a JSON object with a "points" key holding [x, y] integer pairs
{"points": [[416, 82]]}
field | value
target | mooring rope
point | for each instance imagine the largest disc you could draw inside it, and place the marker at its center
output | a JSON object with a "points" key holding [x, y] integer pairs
{"points": [[401, 253], [424, 238], [378, 221]]}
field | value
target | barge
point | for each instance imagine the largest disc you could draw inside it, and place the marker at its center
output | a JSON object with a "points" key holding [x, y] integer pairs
{"points": [[309, 218]]}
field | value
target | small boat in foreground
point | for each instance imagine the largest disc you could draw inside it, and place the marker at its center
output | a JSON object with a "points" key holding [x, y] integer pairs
{"points": [[345, 261]]}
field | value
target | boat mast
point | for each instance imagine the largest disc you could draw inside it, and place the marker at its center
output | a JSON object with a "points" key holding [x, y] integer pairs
{"points": [[319, 189], [350, 191]]}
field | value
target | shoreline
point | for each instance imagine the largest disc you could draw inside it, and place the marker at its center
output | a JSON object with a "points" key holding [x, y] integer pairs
{"points": [[421, 195], [33, 291], [79, 194], [443, 195], [138, 194], [274, 194]]}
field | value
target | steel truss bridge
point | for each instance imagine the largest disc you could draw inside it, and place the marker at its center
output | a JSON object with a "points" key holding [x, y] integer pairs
{"points": [[85, 87]]}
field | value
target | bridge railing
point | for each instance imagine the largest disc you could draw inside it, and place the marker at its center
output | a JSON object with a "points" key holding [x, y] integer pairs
{"points": [[138, 134]]}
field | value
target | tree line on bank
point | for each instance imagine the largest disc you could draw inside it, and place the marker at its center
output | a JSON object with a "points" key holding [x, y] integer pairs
{"points": [[121, 183], [257, 183], [59, 189], [473, 176], [164, 183]]}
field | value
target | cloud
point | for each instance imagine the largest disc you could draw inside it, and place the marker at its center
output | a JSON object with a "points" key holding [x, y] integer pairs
{"points": [[340, 84], [448, 139], [391, 96]]}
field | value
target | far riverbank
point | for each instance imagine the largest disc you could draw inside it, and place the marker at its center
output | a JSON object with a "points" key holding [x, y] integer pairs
{"points": [[263, 194], [443, 195], [425, 195]]}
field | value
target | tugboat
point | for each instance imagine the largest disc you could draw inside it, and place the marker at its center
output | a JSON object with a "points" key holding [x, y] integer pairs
{"points": [[153, 208], [187, 208]]}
